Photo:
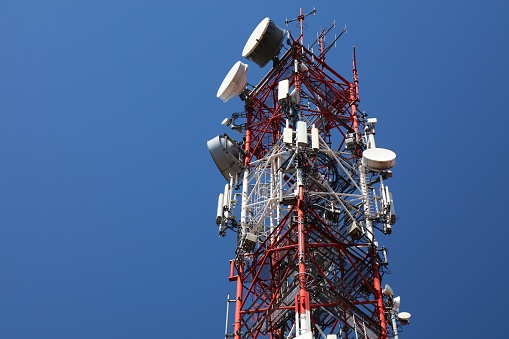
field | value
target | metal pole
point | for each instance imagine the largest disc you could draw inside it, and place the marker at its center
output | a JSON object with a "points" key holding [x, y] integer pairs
{"points": [[394, 325], [379, 297], [227, 312], [303, 305], [243, 212], [354, 96], [238, 303]]}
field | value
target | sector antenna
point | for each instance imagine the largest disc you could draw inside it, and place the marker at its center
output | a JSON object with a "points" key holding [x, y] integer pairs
{"points": [[306, 197]]}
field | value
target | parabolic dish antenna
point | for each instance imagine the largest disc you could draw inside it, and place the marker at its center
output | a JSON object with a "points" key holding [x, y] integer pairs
{"points": [[396, 302], [404, 316], [379, 159], [234, 82], [264, 43], [388, 291], [226, 153]]}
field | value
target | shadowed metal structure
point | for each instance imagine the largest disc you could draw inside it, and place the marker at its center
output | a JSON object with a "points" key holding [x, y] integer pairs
{"points": [[306, 194]]}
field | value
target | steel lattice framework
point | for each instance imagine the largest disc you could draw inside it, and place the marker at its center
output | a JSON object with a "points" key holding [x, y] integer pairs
{"points": [[306, 264]]}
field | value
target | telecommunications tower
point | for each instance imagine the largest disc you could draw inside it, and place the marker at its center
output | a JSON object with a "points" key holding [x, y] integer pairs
{"points": [[306, 194]]}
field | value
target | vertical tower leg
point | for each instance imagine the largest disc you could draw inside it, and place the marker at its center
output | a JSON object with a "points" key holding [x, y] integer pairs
{"points": [[302, 306], [379, 299], [238, 304]]}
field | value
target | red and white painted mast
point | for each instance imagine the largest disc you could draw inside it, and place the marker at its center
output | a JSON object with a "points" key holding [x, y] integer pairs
{"points": [[306, 194]]}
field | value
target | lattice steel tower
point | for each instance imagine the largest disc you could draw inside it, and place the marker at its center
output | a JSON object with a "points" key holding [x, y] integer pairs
{"points": [[306, 194]]}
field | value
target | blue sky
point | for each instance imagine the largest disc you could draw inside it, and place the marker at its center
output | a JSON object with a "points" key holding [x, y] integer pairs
{"points": [[108, 193]]}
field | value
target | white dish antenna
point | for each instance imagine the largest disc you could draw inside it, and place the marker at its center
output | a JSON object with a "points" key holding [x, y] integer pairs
{"points": [[396, 302], [387, 291], [227, 155], [404, 316], [379, 159], [264, 43], [234, 82]]}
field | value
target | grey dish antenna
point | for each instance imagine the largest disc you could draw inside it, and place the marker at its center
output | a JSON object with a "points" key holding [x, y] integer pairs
{"points": [[234, 82], [264, 43], [227, 154]]}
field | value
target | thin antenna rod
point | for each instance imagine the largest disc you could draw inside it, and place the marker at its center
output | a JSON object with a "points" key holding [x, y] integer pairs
{"points": [[355, 76], [323, 33], [300, 19], [334, 42]]}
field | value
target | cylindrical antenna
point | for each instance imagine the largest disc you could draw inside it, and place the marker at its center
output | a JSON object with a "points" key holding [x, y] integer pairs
{"points": [[220, 208]]}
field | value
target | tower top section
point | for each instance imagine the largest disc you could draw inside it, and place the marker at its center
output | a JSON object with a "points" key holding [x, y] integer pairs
{"points": [[306, 196]]}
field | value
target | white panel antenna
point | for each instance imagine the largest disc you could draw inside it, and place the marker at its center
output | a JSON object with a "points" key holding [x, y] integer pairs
{"points": [[392, 210], [227, 195], [220, 207], [287, 135], [302, 133], [315, 139], [283, 90]]}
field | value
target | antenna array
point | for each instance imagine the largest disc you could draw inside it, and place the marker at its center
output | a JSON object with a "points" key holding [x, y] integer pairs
{"points": [[306, 194]]}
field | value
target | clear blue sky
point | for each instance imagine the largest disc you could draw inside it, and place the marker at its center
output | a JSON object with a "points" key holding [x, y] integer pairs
{"points": [[108, 193]]}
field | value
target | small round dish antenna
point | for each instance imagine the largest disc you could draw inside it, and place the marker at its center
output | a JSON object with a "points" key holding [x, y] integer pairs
{"points": [[264, 43], [379, 159], [234, 82], [404, 316]]}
